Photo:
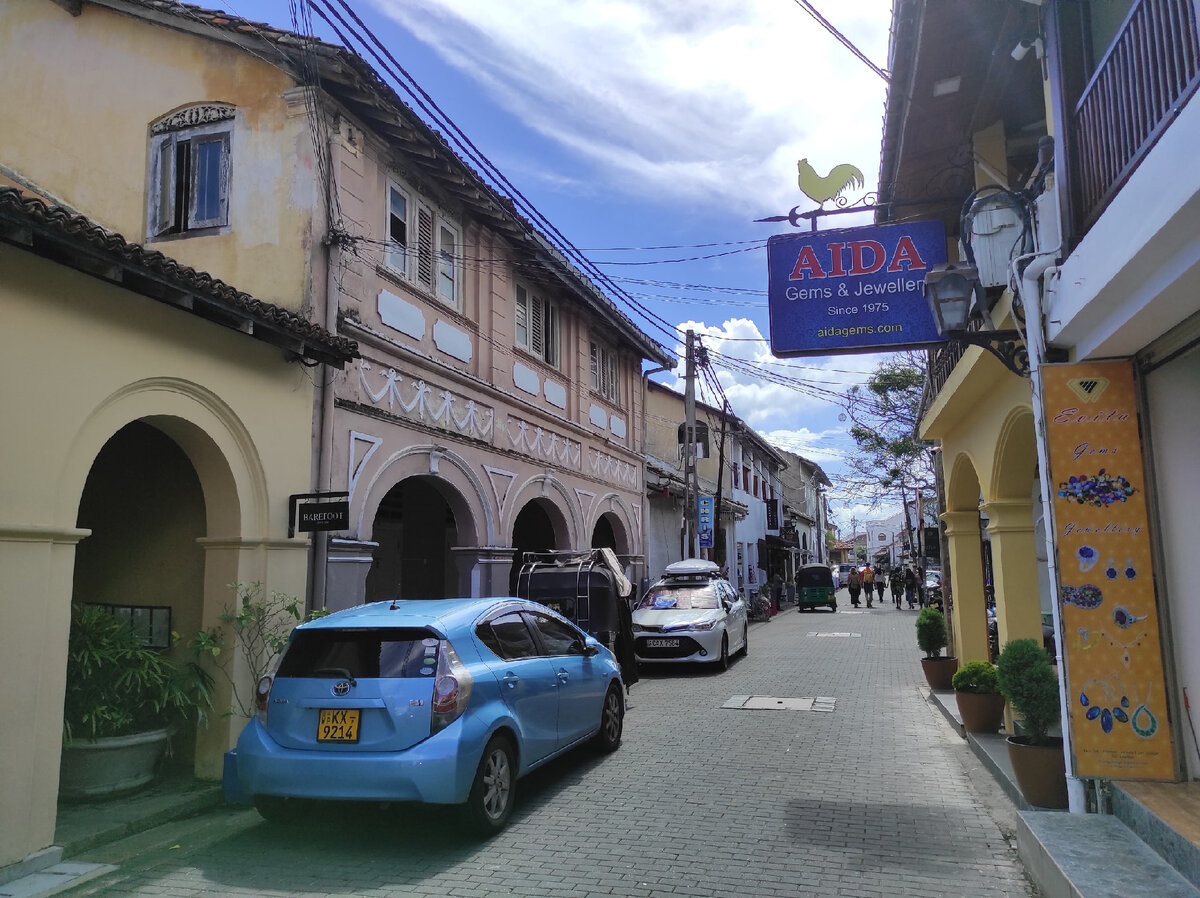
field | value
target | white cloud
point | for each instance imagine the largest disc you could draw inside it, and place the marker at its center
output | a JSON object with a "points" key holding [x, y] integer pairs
{"points": [[706, 102]]}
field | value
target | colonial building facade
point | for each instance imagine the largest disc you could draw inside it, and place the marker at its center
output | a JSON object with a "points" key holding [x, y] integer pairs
{"points": [[1076, 125], [250, 289]]}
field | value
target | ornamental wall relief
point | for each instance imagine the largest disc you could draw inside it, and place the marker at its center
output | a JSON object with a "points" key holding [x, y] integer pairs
{"points": [[543, 444], [614, 470], [427, 403]]}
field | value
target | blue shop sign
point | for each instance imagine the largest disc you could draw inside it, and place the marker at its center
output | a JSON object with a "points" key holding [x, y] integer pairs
{"points": [[853, 290], [705, 517]]}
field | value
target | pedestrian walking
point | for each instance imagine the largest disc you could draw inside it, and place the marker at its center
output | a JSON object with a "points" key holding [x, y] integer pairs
{"points": [[910, 586], [854, 585], [880, 584], [896, 584], [868, 584]]}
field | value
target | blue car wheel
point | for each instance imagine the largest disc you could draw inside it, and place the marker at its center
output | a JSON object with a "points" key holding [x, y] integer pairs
{"points": [[495, 788], [612, 720]]}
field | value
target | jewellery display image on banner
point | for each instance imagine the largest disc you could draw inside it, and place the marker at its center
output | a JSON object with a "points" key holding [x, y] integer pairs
{"points": [[1111, 638]]}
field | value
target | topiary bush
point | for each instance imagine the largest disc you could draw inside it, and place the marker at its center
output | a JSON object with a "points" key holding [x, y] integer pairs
{"points": [[1031, 687], [931, 632], [979, 677]]}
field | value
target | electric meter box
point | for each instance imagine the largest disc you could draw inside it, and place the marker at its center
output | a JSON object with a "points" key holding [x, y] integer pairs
{"points": [[996, 238]]}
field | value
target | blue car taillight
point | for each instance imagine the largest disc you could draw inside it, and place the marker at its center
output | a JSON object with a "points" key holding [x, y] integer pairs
{"points": [[262, 692], [451, 689]]}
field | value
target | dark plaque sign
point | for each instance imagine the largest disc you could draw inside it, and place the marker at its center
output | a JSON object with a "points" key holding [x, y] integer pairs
{"points": [[324, 516]]}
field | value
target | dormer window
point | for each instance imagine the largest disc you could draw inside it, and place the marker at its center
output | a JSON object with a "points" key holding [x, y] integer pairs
{"points": [[190, 171]]}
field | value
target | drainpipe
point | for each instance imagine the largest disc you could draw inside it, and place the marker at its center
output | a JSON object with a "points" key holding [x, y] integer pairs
{"points": [[646, 470], [320, 555], [1043, 264]]}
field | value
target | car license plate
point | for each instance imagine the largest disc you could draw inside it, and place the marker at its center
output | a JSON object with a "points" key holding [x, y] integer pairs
{"points": [[662, 643], [338, 725]]}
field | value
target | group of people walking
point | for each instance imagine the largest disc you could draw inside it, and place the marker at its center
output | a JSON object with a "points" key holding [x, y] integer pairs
{"points": [[902, 583]]}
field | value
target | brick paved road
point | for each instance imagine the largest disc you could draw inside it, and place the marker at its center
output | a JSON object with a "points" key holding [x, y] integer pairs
{"points": [[879, 798]]}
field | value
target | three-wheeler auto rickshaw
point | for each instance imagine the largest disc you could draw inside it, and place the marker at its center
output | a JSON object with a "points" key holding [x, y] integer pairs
{"points": [[814, 588]]}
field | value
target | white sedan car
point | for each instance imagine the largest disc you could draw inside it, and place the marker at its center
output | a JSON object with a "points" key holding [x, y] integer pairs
{"points": [[691, 614]]}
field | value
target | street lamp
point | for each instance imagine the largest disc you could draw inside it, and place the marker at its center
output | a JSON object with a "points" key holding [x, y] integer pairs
{"points": [[953, 292]]}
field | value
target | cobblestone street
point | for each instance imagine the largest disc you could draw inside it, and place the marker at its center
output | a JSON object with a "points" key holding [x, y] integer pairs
{"points": [[877, 798]]}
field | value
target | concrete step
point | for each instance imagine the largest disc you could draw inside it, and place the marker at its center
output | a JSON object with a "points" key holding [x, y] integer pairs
{"points": [[1166, 816], [1093, 856]]}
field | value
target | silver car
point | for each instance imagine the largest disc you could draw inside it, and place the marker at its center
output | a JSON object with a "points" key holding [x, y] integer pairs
{"points": [[691, 614]]}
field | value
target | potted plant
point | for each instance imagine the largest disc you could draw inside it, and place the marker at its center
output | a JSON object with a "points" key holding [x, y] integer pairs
{"points": [[980, 702], [123, 701], [1031, 687], [932, 638]]}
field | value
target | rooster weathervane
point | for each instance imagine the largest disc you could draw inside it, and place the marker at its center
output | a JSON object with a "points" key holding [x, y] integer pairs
{"points": [[842, 177], [822, 190]]}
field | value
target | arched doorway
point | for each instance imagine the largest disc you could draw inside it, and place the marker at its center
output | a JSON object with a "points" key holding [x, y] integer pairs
{"points": [[415, 528], [533, 531], [603, 536], [144, 505]]}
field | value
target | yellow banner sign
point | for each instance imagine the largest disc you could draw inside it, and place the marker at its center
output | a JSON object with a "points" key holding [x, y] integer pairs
{"points": [[1111, 641]]}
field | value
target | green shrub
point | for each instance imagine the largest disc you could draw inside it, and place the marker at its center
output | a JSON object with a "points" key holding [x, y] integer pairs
{"points": [[1030, 685], [117, 687], [977, 676], [931, 631]]}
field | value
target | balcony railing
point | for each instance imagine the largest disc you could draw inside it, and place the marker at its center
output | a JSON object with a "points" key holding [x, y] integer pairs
{"points": [[1149, 71]]}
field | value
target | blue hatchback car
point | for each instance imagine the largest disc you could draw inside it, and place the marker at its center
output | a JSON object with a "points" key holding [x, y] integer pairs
{"points": [[446, 701]]}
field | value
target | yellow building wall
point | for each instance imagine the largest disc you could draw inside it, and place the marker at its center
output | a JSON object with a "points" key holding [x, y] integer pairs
{"points": [[80, 95], [79, 359], [983, 418]]}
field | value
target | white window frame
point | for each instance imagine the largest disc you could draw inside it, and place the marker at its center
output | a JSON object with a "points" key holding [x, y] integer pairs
{"points": [[426, 259], [165, 218], [605, 370], [536, 326]]}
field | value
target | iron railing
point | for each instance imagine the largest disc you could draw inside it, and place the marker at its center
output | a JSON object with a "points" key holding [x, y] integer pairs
{"points": [[1138, 88]]}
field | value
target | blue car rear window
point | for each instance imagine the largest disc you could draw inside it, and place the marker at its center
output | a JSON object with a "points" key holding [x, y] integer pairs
{"points": [[380, 652]]}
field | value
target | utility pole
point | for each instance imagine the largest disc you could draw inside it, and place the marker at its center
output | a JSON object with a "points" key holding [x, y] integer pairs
{"points": [[719, 544], [691, 489]]}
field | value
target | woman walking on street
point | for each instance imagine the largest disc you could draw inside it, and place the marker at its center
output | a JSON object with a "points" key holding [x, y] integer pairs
{"points": [[868, 584], [880, 583], [854, 585], [896, 584]]}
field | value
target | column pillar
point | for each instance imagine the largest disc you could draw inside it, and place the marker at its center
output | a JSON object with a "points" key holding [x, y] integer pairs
{"points": [[1014, 569], [483, 570], [36, 570], [347, 563], [969, 613]]}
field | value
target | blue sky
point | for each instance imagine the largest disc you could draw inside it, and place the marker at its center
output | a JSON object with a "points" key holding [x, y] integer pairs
{"points": [[657, 123]]}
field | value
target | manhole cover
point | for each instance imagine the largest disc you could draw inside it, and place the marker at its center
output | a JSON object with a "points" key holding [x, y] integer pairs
{"points": [[776, 703], [843, 635]]}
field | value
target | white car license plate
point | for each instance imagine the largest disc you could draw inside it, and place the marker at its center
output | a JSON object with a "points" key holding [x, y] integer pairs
{"points": [[662, 643]]}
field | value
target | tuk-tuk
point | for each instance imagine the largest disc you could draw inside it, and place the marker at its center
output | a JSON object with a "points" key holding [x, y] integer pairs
{"points": [[814, 587]]}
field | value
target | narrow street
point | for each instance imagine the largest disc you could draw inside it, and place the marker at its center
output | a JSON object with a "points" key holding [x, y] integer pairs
{"points": [[877, 798]]}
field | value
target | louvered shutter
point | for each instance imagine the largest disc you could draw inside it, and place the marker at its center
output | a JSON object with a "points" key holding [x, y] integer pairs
{"points": [[425, 246], [537, 326]]}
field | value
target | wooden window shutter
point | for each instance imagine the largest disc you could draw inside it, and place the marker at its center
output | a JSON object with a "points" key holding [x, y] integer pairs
{"points": [[537, 326], [425, 246], [164, 208]]}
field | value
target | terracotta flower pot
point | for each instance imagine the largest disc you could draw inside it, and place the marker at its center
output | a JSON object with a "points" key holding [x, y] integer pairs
{"points": [[1041, 771], [939, 672], [981, 712]]}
